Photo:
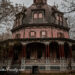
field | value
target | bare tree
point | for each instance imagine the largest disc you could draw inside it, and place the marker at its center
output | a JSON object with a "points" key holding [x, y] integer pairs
{"points": [[68, 7], [7, 16]]}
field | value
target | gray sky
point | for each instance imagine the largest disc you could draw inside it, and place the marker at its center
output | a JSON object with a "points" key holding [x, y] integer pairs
{"points": [[29, 2]]}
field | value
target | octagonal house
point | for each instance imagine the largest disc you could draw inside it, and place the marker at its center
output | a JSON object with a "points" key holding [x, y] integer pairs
{"points": [[41, 41]]}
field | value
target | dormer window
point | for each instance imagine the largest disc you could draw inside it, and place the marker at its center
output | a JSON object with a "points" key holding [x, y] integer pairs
{"points": [[59, 19], [38, 15], [35, 15]]}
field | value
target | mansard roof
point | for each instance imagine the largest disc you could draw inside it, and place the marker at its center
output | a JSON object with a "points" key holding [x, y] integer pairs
{"points": [[49, 10], [49, 14]]}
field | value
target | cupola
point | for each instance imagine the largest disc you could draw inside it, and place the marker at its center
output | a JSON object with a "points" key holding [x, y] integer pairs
{"points": [[40, 1]]}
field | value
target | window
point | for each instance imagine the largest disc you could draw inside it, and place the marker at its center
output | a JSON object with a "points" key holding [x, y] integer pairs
{"points": [[60, 35], [59, 19], [28, 67], [43, 33], [55, 67], [32, 34], [42, 67], [35, 16], [17, 35], [40, 15]]}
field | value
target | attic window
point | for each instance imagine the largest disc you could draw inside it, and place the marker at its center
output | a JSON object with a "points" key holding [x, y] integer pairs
{"points": [[61, 18], [38, 15], [58, 18]]}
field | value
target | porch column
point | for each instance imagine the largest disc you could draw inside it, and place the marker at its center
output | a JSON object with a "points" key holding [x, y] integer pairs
{"points": [[70, 51], [46, 51], [62, 51], [23, 57], [10, 54], [23, 50]]}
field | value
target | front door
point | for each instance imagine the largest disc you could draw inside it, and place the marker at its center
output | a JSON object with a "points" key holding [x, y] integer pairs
{"points": [[35, 70]]}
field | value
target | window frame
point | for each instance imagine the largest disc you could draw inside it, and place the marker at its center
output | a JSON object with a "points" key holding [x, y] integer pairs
{"points": [[38, 12], [60, 35], [59, 19], [32, 36], [43, 36], [18, 35]]}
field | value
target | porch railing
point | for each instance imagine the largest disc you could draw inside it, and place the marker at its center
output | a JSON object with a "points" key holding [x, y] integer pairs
{"points": [[63, 64]]}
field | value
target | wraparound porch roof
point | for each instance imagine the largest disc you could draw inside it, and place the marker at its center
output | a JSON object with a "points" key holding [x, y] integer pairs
{"points": [[39, 39]]}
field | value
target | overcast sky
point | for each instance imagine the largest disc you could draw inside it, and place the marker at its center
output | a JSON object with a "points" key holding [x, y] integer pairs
{"points": [[29, 2]]}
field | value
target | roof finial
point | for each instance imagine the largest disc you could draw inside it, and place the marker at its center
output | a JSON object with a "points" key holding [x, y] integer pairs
{"points": [[54, 3]]}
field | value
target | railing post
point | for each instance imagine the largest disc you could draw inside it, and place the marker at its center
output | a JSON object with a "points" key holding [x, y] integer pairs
{"points": [[23, 64]]}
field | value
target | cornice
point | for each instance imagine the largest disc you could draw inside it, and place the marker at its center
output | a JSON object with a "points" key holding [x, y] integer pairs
{"points": [[39, 25]]}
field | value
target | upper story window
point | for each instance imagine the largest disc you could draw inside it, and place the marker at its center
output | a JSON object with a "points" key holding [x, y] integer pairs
{"points": [[60, 35], [43, 34], [17, 36], [32, 34]]}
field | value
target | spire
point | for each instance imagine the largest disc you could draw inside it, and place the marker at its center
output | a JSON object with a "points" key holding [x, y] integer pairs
{"points": [[40, 1]]}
